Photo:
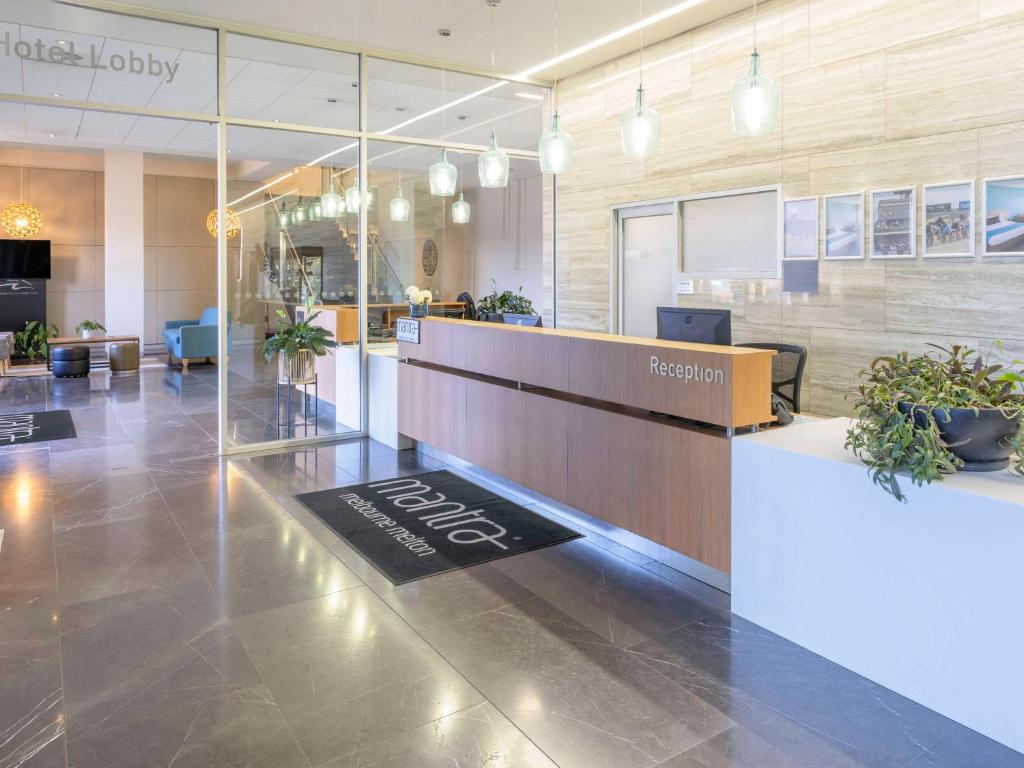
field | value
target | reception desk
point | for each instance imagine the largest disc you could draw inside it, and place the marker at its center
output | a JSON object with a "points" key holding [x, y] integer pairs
{"points": [[634, 432]]}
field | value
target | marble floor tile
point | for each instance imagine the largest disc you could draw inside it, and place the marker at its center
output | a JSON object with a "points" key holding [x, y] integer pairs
{"points": [[348, 673], [106, 498]]}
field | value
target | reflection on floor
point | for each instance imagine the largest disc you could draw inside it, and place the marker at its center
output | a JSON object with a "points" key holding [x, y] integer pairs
{"points": [[160, 606]]}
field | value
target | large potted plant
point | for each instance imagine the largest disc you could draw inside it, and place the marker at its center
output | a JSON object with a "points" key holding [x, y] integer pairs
{"points": [[31, 342], [493, 306], [936, 414], [298, 343], [90, 329]]}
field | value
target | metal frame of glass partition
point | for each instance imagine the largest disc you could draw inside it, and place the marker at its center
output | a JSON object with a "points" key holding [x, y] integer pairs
{"points": [[223, 120]]}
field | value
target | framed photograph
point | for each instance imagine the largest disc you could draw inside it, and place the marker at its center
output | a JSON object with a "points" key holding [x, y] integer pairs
{"points": [[844, 226], [893, 213], [948, 220], [1004, 216], [801, 230]]}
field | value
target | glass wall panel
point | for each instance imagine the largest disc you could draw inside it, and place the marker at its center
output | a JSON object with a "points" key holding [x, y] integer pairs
{"points": [[295, 241], [411, 100], [61, 51], [288, 83], [500, 247]]}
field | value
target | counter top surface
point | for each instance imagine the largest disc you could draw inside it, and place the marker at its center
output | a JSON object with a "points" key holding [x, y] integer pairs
{"points": [[824, 439]]}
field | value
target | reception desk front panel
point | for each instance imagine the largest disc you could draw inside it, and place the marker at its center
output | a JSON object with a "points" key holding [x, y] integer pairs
{"points": [[587, 430]]}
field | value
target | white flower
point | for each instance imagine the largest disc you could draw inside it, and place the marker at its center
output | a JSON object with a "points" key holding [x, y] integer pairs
{"points": [[426, 296], [411, 293]]}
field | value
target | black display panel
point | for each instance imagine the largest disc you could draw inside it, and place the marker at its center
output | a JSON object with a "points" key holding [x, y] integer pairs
{"points": [[24, 259]]}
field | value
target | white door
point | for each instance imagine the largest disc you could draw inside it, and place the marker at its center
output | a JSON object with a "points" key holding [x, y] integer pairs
{"points": [[647, 267]]}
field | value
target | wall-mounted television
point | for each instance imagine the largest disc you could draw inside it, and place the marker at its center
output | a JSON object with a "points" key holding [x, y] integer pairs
{"points": [[25, 259]]}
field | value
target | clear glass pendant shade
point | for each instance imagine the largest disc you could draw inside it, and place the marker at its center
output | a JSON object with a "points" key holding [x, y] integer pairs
{"points": [[556, 148], [640, 127], [352, 198], [755, 102], [399, 207], [460, 211], [443, 177], [331, 204], [492, 166], [299, 213], [315, 210], [283, 217]]}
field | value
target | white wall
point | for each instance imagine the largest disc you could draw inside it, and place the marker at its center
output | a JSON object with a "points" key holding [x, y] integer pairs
{"points": [[504, 239], [124, 263]]}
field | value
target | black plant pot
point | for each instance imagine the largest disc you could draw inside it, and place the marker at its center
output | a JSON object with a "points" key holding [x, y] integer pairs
{"points": [[980, 439]]}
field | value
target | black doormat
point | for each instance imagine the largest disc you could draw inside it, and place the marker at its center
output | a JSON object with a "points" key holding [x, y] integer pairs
{"points": [[422, 525], [19, 428]]}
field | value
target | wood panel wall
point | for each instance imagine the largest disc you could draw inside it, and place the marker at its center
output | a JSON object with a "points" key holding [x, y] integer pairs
{"points": [[875, 94]]}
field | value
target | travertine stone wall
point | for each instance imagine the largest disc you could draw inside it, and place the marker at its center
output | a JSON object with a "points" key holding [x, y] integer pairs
{"points": [[875, 94]]}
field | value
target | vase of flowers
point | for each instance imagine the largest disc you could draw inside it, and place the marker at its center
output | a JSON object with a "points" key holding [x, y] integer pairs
{"points": [[419, 301]]}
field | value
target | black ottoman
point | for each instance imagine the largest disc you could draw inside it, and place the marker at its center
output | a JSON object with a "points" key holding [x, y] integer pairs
{"points": [[70, 362]]}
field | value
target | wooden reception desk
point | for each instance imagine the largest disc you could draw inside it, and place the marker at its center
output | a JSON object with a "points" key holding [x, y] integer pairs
{"points": [[587, 419]]}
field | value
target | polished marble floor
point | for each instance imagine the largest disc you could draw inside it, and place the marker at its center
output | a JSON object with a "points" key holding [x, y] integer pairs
{"points": [[160, 606]]}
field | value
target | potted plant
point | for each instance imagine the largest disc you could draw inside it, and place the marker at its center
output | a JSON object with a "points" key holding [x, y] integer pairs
{"points": [[419, 301], [90, 328], [936, 414], [299, 344], [494, 305], [31, 342]]}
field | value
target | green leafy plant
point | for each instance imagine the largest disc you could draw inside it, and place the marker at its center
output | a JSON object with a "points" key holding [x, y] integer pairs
{"points": [[506, 301], [888, 439], [31, 342], [89, 325], [301, 334]]}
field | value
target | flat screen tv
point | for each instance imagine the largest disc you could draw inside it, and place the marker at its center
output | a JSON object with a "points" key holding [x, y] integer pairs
{"points": [[25, 259]]}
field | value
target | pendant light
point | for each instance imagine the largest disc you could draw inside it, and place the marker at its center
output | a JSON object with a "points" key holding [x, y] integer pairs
{"points": [[442, 174], [352, 198], [331, 204], [755, 98], [556, 146], [640, 126], [21, 220], [283, 217], [492, 165], [399, 205], [299, 213], [460, 208]]}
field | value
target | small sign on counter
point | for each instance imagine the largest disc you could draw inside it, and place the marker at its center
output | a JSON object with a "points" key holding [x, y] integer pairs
{"points": [[407, 329]]}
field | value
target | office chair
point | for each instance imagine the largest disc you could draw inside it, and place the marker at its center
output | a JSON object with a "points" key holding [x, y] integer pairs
{"points": [[787, 371]]}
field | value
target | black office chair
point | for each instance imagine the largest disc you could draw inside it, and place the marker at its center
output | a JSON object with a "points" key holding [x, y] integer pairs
{"points": [[787, 371]]}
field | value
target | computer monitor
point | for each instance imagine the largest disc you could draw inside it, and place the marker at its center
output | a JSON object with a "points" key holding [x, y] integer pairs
{"points": [[698, 326], [512, 319]]}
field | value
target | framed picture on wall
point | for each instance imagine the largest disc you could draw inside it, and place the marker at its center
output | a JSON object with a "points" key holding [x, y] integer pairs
{"points": [[800, 229], [844, 226], [893, 214], [1004, 216], [948, 216]]}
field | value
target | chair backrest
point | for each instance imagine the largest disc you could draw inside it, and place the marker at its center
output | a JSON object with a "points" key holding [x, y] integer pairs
{"points": [[209, 316], [787, 370]]}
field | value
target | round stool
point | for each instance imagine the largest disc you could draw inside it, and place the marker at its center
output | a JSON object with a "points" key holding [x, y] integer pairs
{"points": [[124, 356], [70, 362]]}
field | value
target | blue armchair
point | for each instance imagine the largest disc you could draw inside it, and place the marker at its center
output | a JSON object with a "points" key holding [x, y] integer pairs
{"points": [[193, 339]]}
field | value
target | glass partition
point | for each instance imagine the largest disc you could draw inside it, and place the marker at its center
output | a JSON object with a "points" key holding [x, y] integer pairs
{"points": [[293, 242]]}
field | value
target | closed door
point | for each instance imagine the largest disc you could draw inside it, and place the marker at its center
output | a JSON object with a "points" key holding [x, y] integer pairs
{"points": [[647, 268]]}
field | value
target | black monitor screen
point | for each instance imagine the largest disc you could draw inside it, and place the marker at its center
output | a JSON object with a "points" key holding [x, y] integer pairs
{"points": [[25, 259], [697, 326], [510, 318]]}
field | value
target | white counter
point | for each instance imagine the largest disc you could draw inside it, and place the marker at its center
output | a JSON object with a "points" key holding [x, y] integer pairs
{"points": [[925, 598]]}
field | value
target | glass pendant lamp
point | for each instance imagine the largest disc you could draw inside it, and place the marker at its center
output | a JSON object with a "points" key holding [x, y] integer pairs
{"points": [[299, 213], [352, 198], [283, 217], [556, 146], [331, 203], [315, 210], [640, 126], [460, 209], [755, 98], [443, 176], [492, 165], [399, 205]]}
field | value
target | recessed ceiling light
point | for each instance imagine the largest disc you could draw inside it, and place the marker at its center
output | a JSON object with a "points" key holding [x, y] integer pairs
{"points": [[531, 96], [52, 135], [56, 95], [62, 42]]}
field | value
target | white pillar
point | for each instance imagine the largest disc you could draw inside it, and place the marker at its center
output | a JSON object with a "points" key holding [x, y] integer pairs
{"points": [[124, 276]]}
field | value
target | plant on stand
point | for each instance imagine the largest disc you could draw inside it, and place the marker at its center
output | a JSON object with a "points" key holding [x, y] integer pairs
{"points": [[32, 341], [90, 328], [419, 301], [936, 414], [507, 301], [299, 343]]}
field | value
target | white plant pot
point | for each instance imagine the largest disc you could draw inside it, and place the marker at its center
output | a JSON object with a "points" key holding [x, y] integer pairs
{"points": [[87, 334], [300, 369]]}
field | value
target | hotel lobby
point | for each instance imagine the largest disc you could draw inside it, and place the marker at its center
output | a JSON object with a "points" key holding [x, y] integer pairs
{"points": [[520, 385]]}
